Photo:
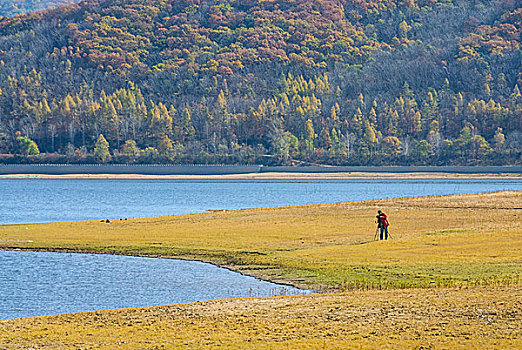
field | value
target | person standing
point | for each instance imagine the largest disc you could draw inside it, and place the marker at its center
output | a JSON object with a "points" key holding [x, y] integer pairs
{"points": [[383, 224]]}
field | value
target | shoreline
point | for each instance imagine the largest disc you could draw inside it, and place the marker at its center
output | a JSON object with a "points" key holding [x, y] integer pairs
{"points": [[256, 257], [324, 321], [437, 280], [276, 176], [282, 283]]}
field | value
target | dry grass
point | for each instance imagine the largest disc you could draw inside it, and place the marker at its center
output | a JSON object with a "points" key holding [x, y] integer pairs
{"points": [[437, 241], [473, 240], [416, 319]]}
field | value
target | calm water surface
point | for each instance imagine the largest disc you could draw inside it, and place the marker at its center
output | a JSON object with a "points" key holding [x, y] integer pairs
{"points": [[50, 200], [33, 283], [44, 283]]}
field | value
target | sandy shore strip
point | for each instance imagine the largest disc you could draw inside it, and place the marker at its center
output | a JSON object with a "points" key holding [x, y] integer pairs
{"points": [[275, 176]]}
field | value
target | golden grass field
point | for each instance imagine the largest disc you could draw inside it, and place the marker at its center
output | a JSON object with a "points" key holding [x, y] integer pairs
{"points": [[478, 318], [465, 250]]}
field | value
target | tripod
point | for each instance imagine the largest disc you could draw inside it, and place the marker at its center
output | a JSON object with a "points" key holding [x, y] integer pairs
{"points": [[376, 236]]}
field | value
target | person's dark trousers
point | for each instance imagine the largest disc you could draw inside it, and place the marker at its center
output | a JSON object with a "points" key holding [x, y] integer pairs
{"points": [[384, 233]]}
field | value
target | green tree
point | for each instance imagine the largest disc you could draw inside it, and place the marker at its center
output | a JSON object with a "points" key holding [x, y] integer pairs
{"points": [[370, 136], [130, 150], [463, 141], [283, 144], [334, 116], [165, 146], [110, 120], [434, 137], [421, 150], [324, 138], [499, 139], [101, 150], [391, 146], [429, 112], [26, 146], [149, 154], [337, 146], [479, 147], [356, 123], [309, 138], [187, 129]]}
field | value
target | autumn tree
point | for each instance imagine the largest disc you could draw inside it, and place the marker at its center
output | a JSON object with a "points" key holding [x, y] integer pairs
{"points": [[101, 150]]}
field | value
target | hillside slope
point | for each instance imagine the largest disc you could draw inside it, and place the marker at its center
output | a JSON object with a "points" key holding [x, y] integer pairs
{"points": [[340, 82], [10, 8]]}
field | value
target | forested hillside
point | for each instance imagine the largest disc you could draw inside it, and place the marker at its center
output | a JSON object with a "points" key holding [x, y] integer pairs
{"points": [[16, 7], [279, 82]]}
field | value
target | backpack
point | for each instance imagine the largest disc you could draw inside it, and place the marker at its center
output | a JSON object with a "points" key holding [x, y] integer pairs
{"points": [[384, 220]]}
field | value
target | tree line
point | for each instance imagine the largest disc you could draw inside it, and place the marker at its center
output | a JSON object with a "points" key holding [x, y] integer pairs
{"points": [[285, 82]]}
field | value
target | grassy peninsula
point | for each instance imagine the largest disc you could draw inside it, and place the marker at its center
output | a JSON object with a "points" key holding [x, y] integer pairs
{"points": [[465, 249], [442, 241]]}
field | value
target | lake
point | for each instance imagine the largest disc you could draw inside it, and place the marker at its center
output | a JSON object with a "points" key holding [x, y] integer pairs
{"points": [[42, 283], [45, 283], [50, 200]]}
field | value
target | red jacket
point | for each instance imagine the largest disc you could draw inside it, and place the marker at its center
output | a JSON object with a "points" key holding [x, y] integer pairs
{"points": [[383, 220]]}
